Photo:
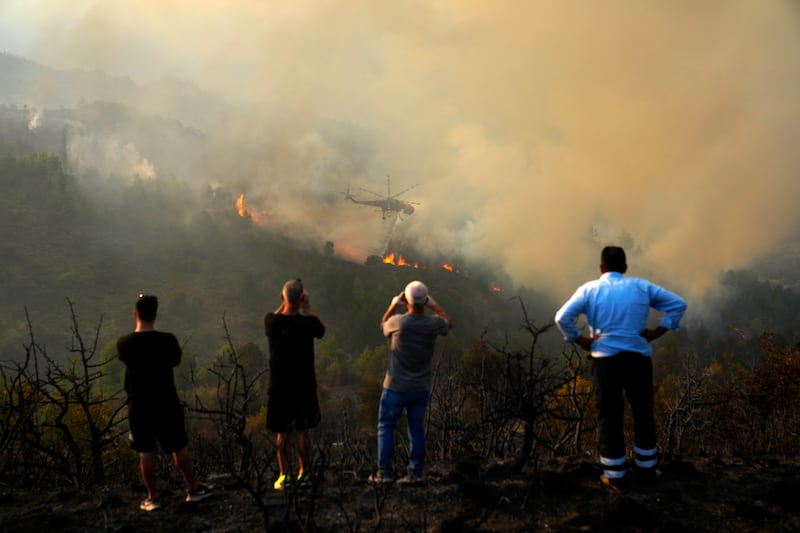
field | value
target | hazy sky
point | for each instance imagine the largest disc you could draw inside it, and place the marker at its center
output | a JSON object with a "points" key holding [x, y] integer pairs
{"points": [[525, 122]]}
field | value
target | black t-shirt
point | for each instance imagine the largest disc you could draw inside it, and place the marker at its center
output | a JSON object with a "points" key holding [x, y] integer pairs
{"points": [[291, 353], [149, 358]]}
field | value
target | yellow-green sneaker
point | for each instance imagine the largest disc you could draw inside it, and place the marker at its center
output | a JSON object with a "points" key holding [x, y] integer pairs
{"points": [[303, 480], [282, 482]]}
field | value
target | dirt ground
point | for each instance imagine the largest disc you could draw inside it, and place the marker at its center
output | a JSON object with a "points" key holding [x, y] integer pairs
{"points": [[565, 495]]}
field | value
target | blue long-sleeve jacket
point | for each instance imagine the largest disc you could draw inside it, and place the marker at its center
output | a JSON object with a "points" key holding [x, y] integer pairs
{"points": [[616, 308]]}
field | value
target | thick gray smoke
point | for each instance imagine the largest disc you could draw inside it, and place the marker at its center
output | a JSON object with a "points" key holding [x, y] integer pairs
{"points": [[527, 124]]}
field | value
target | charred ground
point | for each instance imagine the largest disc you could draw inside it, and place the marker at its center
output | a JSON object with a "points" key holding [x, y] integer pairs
{"points": [[564, 495]]}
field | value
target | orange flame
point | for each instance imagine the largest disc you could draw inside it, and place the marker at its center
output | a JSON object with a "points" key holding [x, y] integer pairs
{"points": [[259, 216], [497, 289], [398, 260], [447, 267], [402, 262]]}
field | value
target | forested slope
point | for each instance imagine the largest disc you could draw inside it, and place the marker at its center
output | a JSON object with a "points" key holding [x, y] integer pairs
{"points": [[61, 242]]}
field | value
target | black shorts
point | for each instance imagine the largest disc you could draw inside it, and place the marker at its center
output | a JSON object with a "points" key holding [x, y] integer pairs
{"points": [[163, 424], [286, 414]]}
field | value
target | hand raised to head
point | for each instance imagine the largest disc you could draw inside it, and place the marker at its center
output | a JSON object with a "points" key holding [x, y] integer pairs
{"points": [[400, 299]]}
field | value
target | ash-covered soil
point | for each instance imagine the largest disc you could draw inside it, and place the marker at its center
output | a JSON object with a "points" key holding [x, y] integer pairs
{"points": [[565, 495]]}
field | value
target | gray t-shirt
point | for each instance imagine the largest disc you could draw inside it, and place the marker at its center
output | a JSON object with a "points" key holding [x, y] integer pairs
{"points": [[411, 351]]}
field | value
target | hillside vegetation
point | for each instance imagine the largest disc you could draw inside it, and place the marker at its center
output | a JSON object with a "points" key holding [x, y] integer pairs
{"points": [[510, 420], [204, 260]]}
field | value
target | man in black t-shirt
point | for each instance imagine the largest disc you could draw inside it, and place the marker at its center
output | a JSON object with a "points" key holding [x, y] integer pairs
{"points": [[293, 405], [154, 412]]}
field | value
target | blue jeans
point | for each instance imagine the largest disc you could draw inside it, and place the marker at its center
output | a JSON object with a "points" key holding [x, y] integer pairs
{"points": [[391, 406]]}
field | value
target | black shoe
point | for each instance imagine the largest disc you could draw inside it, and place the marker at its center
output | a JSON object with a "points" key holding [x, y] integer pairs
{"points": [[648, 475], [200, 493]]}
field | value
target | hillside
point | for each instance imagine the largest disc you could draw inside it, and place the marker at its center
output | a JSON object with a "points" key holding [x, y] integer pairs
{"points": [[26, 84], [101, 242], [126, 199], [113, 190], [205, 261]]}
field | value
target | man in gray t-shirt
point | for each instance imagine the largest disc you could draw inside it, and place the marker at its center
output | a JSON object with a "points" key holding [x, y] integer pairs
{"points": [[407, 384]]}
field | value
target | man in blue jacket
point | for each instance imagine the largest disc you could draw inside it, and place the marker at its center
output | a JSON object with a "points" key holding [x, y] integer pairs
{"points": [[616, 308]]}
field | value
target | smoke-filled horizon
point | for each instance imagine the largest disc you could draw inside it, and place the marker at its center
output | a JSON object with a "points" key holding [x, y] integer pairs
{"points": [[526, 124]]}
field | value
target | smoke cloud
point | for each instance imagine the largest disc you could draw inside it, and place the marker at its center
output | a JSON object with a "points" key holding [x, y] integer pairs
{"points": [[528, 125], [108, 156]]}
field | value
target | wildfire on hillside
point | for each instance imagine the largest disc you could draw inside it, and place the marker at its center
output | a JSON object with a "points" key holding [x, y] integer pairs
{"points": [[398, 260], [455, 270], [245, 212]]}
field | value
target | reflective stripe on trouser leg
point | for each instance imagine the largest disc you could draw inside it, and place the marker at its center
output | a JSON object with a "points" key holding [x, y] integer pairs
{"points": [[613, 468], [646, 458]]}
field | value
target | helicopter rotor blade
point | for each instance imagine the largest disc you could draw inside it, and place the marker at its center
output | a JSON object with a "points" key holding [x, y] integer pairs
{"points": [[406, 190], [371, 192]]}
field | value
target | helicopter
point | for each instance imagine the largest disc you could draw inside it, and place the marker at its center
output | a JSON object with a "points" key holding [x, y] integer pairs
{"points": [[388, 204]]}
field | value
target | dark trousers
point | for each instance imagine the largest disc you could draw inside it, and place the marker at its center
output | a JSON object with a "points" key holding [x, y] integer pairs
{"points": [[625, 375]]}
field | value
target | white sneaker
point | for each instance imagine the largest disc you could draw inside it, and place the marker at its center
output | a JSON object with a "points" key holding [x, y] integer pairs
{"points": [[149, 505]]}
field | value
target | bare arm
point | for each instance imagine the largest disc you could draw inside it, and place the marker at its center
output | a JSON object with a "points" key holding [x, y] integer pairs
{"points": [[436, 308], [305, 305], [397, 301]]}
